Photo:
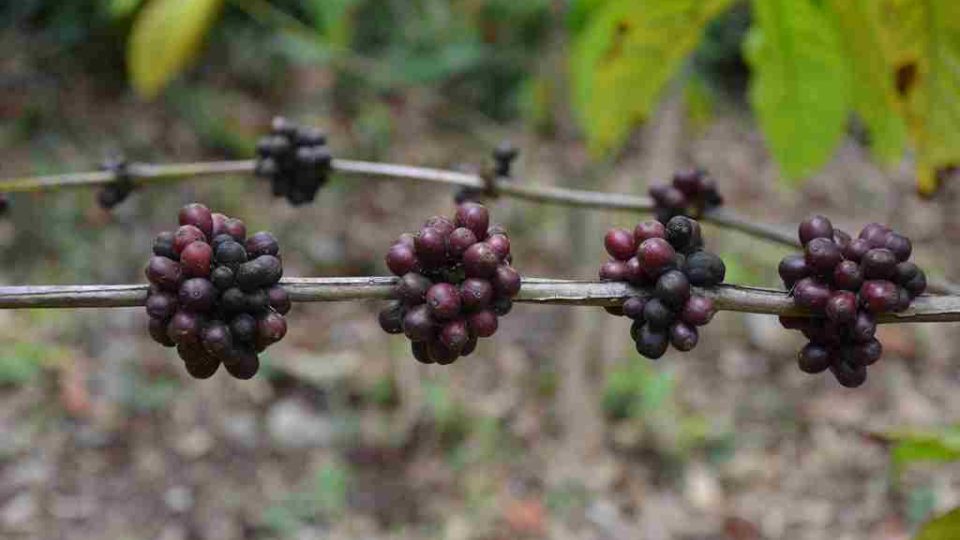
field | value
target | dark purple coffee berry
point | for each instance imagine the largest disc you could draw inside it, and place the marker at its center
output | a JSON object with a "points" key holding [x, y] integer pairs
{"points": [[474, 217], [216, 339], [469, 347], [811, 294], [443, 299], [199, 216], [917, 284], [704, 269], [614, 271], [243, 363], [440, 353], [184, 327], [620, 244], [842, 307], [163, 246], [651, 343], [633, 307], [271, 327], [501, 306], [391, 318], [454, 335], [684, 234], [849, 375], [636, 274], [864, 327], [256, 301], [164, 273], [841, 239], [792, 269], [814, 358], [482, 323], [816, 226], [657, 314], [822, 256], [412, 288], [235, 228], [222, 277], [506, 281], [688, 181], [233, 300], [244, 328], [161, 306], [461, 239], [401, 259], [231, 254], [856, 249], [441, 224], [683, 336], [480, 261], [263, 271], [671, 198], [793, 323], [649, 229], [500, 244], [158, 331], [899, 245], [420, 352], [475, 294], [847, 276], [197, 295], [199, 363], [867, 353], [875, 234], [879, 263], [418, 325], [656, 255], [878, 296], [186, 235], [195, 260], [698, 310], [431, 247], [219, 224], [279, 299], [673, 288], [262, 243]]}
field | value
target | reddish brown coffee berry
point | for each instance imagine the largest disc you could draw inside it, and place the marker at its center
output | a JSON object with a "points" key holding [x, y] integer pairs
{"points": [[195, 260], [868, 352], [814, 358], [480, 261], [197, 295], [186, 235], [620, 244], [474, 217], [483, 323], [431, 247], [792, 269], [875, 234], [633, 307], [184, 327], [454, 335], [475, 294], [698, 310], [161, 306], [163, 246], [822, 256], [461, 239], [683, 336], [401, 259], [842, 307], [878, 296], [164, 273], [262, 243], [879, 263], [216, 339], [615, 271], [656, 255], [271, 327], [647, 230], [811, 294], [441, 224], [506, 281], [443, 299], [158, 331], [816, 226], [847, 276], [418, 325], [500, 244], [235, 228], [199, 216]]}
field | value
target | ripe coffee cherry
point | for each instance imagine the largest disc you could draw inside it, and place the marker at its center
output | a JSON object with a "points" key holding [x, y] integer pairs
{"points": [[197, 295], [158, 331], [417, 323], [811, 294], [278, 299], [684, 234], [216, 339], [868, 352], [633, 307], [161, 306], [440, 353], [195, 260], [441, 224], [669, 197], [271, 327], [793, 323], [184, 327], [231, 254], [842, 307], [199, 364], [863, 328], [256, 301], [683, 336], [454, 335], [401, 259], [244, 328], [501, 306], [470, 346], [879, 263], [263, 271], [814, 358], [822, 256], [391, 318], [500, 244], [407, 239], [431, 246], [412, 288], [917, 284], [474, 217], [262, 243], [635, 272], [222, 278], [219, 224], [878, 296], [163, 246], [235, 228], [849, 375], [856, 249], [651, 343], [443, 299], [698, 310], [199, 216], [657, 314], [233, 300], [615, 271], [649, 229], [673, 288], [620, 244], [841, 239], [420, 352], [242, 363], [792, 269], [816, 226], [656, 255], [704, 269], [875, 234], [480, 261], [186, 235], [461, 239], [506, 281], [475, 294], [899, 245], [688, 181], [482, 323], [164, 273], [847, 276]]}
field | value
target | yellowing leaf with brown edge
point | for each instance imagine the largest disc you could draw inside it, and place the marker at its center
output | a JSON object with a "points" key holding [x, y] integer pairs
{"points": [[622, 58], [166, 36], [921, 40], [945, 527]]}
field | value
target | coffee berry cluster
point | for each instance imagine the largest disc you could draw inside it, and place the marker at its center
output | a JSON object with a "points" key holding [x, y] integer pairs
{"points": [[666, 260], [503, 157], [691, 193], [295, 159], [455, 280], [120, 188], [214, 293], [846, 283]]}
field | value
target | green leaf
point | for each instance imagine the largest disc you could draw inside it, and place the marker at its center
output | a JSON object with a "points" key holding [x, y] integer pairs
{"points": [[872, 89], [921, 40], [625, 54], [945, 527], [333, 19], [699, 102], [166, 36], [798, 85], [911, 447]]}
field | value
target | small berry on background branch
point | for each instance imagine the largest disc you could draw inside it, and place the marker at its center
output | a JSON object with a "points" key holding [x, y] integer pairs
{"points": [[295, 159], [691, 193], [120, 188]]}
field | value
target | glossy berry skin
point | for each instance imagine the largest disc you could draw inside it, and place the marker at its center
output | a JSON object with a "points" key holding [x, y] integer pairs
{"points": [[847, 276], [816, 226], [917, 284], [199, 216], [420, 352], [222, 278], [243, 363], [161, 306], [454, 335], [683, 336], [184, 327], [704, 269], [470, 346], [158, 332], [614, 271], [792, 269], [841, 239], [657, 314], [879, 263], [684, 234], [412, 288], [186, 235], [163, 246], [868, 352], [391, 318], [620, 244], [231, 254], [460, 240], [480, 261], [842, 307], [262, 243], [271, 328], [673, 288], [698, 311], [649, 229], [814, 358], [811, 294], [164, 273], [500, 244], [863, 328], [197, 295], [216, 339], [849, 375], [636, 273], [822, 256], [235, 228], [878, 296], [656, 255], [195, 260], [440, 353], [899, 245], [418, 325], [401, 259], [474, 217], [633, 307], [443, 300], [875, 234], [483, 323], [441, 224], [244, 328], [651, 343], [475, 294], [506, 281]]}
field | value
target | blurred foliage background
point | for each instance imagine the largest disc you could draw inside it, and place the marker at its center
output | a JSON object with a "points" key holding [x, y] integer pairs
{"points": [[557, 430]]}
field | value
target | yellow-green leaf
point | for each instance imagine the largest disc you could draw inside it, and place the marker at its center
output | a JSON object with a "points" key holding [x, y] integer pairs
{"points": [[799, 84], [872, 89], [932, 445], [623, 57], [945, 527], [921, 40], [166, 36]]}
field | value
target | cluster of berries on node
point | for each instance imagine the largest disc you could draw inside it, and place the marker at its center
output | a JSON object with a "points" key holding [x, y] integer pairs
{"points": [[667, 260], [120, 187], [691, 193], [846, 283], [455, 280], [295, 159], [214, 293], [503, 157]]}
